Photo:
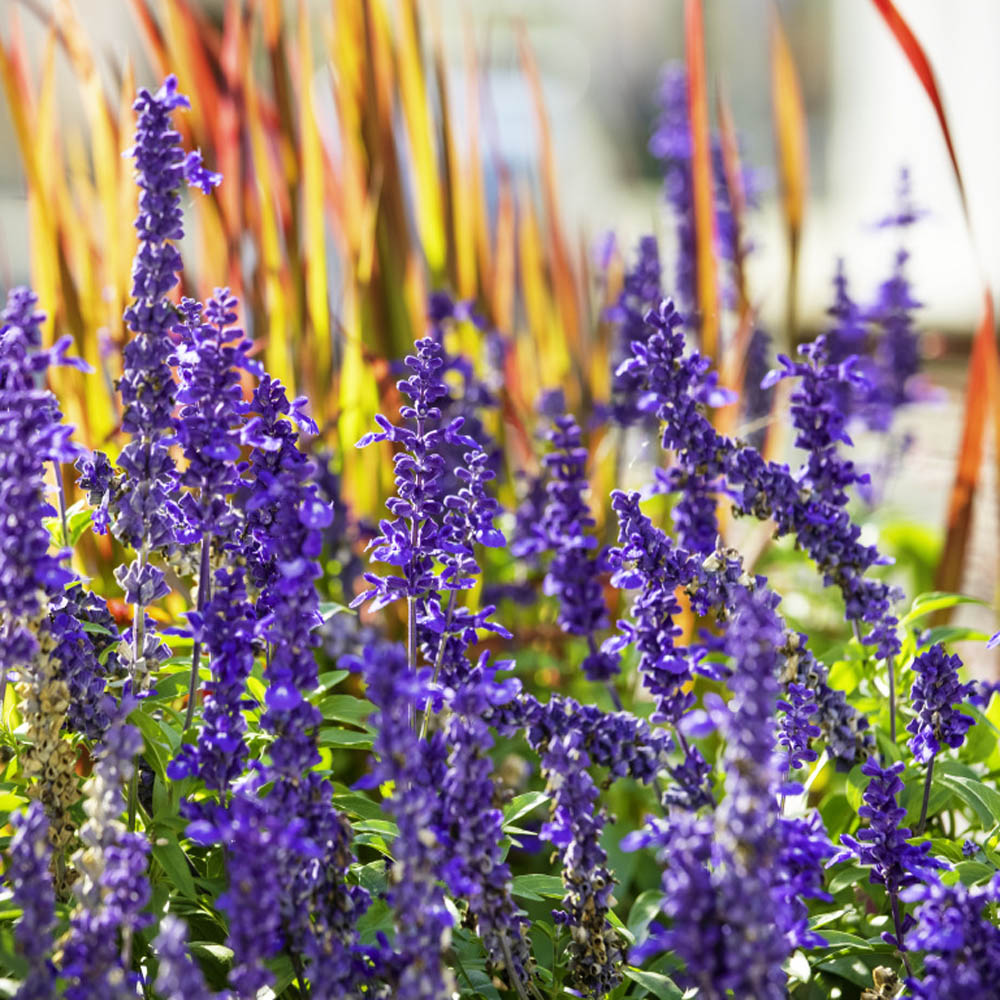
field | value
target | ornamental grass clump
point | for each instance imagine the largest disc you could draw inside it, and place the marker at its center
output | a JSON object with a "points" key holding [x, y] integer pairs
{"points": [[533, 734]]}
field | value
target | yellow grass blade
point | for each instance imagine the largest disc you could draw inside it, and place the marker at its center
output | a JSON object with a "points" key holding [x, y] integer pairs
{"points": [[413, 97], [313, 209]]}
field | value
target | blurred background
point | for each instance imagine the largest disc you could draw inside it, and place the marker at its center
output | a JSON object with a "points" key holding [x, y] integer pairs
{"points": [[599, 67]]}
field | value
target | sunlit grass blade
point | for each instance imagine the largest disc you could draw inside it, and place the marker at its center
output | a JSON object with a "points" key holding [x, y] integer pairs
{"points": [[702, 183], [563, 280], [791, 139], [980, 400], [313, 207]]}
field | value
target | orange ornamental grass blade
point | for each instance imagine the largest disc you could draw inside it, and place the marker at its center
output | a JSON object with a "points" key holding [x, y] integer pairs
{"points": [[793, 158], [983, 387], [564, 284], [914, 52], [701, 178], [980, 393], [733, 169]]}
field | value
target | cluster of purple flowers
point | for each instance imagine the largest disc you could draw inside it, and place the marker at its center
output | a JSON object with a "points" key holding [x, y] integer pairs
{"points": [[676, 388], [574, 571], [953, 926], [883, 845], [934, 697], [247, 513]]}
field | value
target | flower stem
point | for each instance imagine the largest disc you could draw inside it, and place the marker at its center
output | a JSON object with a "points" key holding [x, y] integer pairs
{"points": [[204, 582], [898, 925], [61, 490], [892, 698], [927, 798], [138, 665], [439, 659], [508, 960]]}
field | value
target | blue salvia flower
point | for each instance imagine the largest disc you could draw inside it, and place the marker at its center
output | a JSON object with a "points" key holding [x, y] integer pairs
{"points": [[260, 845], [285, 520], [719, 880], [647, 561], [410, 541], [227, 628], [935, 696], [87, 659], [141, 513], [575, 827], [882, 845], [641, 290], [470, 826], [798, 875], [574, 571], [138, 505], [897, 350], [31, 881], [847, 338], [32, 578], [178, 977], [470, 395], [796, 730], [417, 769], [112, 890], [961, 941], [31, 434], [210, 426], [820, 420], [845, 731], [676, 389], [671, 143], [755, 407], [527, 539]]}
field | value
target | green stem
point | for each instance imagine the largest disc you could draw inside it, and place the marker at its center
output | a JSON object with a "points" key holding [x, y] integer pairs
{"points": [[439, 659], [927, 798], [898, 925], [204, 582]]}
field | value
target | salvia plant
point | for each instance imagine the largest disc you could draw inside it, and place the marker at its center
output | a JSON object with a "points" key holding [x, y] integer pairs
{"points": [[478, 749]]}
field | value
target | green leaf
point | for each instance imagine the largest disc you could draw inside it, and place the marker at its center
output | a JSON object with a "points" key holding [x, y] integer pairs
{"points": [[644, 911], [981, 739], [936, 600], [798, 967], [841, 939], [656, 983], [174, 862], [332, 737], [538, 886], [156, 748], [327, 609], [857, 782], [380, 826], [346, 708], [846, 876], [209, 951], [953, 633], [974, 872], [94, 628], [521, 805], [358, 804], [982, 799], [11, 802], [378, 917]]}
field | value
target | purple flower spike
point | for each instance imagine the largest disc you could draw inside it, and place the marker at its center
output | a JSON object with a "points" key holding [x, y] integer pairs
{"points": [[934, 696]]}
